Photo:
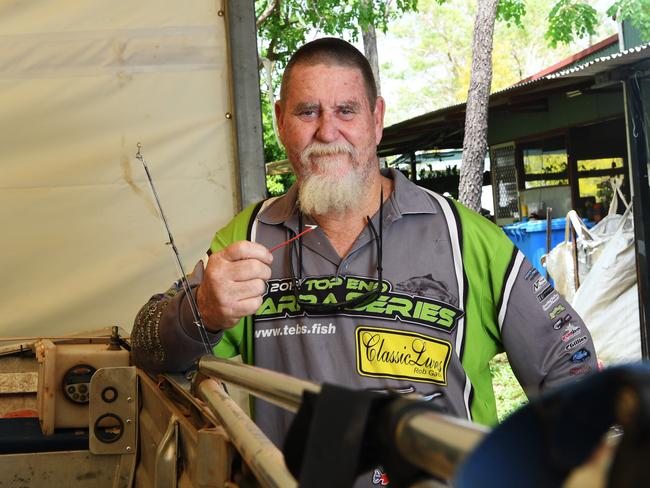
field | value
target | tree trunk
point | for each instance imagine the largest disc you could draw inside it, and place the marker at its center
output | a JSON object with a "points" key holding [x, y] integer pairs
{"points": [[476, 114], [267, 67], [370, 50]]}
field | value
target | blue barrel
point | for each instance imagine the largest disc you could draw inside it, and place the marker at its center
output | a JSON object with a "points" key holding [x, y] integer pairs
{"points": [[530, 238]]}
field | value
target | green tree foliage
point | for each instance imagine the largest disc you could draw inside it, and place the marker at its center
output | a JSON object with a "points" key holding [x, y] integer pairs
{"points": [[278, 184], [273, 150], [284, 25], [636, 11], [568, 19], [437, 45], [434, 70], [439, 41]]}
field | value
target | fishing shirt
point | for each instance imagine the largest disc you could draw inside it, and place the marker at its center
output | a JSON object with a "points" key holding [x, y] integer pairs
{"points": [[455, 292]]}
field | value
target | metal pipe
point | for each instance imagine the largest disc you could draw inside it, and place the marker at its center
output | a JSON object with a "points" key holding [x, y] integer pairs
{"points": [[434, 442], [280, 389], [259, 453]]}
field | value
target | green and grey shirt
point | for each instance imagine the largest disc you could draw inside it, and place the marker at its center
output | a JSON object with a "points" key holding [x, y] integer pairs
{"points": [[455, 293]]}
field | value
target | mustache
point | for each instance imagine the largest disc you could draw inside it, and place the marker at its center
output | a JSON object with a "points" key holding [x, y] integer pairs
{"points": [[321, 149]]}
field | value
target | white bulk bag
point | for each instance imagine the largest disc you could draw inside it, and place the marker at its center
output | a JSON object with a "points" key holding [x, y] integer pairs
{"points": [[559, 261], [608, 301], [589, 245]]}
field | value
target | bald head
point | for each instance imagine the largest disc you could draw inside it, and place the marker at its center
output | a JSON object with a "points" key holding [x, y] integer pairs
{"points": [[331, 51]]}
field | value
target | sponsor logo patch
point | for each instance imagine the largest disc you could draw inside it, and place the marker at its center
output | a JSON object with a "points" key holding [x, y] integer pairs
{"points": [[544, 293], [569, 332], [389, 353], [557, 325], [531, 274], [580, 370], [552, 299], [539, 284], [580, 356], [575, 343], [556, 311], [379, 477]]}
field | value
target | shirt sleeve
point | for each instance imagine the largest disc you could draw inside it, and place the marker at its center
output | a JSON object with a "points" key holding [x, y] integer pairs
{"points": [[547, 343], [165, 337]]}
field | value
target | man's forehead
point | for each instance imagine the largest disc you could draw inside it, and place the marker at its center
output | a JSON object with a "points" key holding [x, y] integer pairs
{"points": [[313, 101], [348, 69], [350, 77], [327, 84], [305, 89]]}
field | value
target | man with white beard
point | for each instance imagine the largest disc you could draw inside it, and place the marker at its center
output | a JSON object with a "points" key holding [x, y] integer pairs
{"points": [[397, 288]]}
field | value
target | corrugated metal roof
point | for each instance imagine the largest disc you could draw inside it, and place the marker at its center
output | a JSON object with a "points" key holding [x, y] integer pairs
{"points": [[605, 62], [589, 68], [443, 128], [602, 48]]}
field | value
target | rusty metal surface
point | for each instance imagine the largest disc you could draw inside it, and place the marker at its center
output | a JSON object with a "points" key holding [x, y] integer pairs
{"points": [[18, 382], [10, 404], [69, 469], [205, 452], [21, 364], [213, 444]]}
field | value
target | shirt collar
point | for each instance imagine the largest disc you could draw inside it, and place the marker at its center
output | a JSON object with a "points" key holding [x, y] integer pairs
{"points": [[407, 198]]}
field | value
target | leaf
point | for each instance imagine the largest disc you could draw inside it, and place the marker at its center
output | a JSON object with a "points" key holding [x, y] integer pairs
{"points": [[637, 12], [511, 11], [569, 19]]}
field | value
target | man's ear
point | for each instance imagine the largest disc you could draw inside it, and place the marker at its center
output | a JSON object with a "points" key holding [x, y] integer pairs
{"points": [[378, 115], [278, 119]]}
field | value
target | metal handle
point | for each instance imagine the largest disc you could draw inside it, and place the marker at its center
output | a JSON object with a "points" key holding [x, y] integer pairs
{"points": [[280, 389], [165, 471]]}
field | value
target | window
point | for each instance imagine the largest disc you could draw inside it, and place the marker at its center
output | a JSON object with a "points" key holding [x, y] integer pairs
{"points": [[545, 163], [595, 191], [504, 183]]}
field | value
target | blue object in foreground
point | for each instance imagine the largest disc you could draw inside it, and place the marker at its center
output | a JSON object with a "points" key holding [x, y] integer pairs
{"points": [[540, 444], [530, 238]]}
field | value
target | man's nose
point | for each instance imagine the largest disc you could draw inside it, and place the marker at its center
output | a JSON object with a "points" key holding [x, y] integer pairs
{"points": [[327, 127]]}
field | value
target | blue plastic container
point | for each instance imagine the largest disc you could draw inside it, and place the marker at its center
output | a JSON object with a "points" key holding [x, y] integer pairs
{"points": [[530, 238]]}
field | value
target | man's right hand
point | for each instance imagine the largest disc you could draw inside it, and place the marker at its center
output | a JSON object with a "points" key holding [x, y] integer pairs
{"points": [[233, 284]]}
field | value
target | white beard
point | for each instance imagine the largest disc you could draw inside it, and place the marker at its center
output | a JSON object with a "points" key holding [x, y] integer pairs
{"points": [[328, 191]]}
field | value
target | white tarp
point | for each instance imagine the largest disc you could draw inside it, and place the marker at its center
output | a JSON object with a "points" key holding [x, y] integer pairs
{"points": [[80, 84]]}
